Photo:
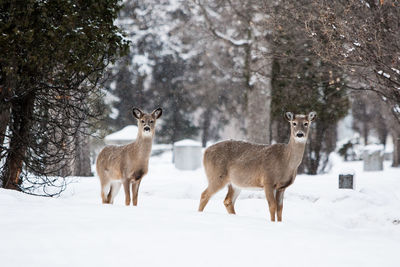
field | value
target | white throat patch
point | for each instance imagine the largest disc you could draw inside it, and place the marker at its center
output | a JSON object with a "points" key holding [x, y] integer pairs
{"points": [[300, 139], [147, 133]]}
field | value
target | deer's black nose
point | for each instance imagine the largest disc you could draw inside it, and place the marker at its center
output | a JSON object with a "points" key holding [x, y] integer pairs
{"points": [[147, 128], [300, 135]]}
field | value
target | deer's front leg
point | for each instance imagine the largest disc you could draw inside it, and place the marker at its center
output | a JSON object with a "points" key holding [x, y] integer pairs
{"points": [[269, 194], [135, 192], [127, 192], [279, 203]]}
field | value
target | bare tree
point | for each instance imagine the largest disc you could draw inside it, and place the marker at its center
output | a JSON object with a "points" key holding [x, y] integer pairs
{"points": [[369, 116], [240, 29], [363, 38]]}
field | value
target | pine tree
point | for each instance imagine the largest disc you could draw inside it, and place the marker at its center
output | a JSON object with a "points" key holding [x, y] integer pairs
{"points": [[53, 55]]}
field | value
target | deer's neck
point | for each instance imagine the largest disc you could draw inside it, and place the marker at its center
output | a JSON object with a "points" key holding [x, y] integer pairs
{"points": [[143, 146], [295, 152]]}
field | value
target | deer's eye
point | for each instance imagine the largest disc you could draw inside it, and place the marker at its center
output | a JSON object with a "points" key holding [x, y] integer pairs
{"points": [[294, 123], [306, 124], [142, 121], [151, 121]]}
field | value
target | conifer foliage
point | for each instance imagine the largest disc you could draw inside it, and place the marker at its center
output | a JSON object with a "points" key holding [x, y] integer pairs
{"points": [[53, 55]]}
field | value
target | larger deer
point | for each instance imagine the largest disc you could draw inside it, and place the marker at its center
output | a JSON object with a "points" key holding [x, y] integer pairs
{"points": [[243, 165], [127, 164]]}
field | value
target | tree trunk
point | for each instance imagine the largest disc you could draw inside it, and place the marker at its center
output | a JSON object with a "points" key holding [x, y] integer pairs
{"points": [[205, 127], [382, 130], [5, 107], [21, 113], [396, 149], [4, 120], [82, 156], [258, 117], [258, 113], [321, 143], [365, 132], [280, 131]]}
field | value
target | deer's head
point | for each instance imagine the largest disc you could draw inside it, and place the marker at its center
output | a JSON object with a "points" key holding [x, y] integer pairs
{"points": [[147, 122], [300, 125]]}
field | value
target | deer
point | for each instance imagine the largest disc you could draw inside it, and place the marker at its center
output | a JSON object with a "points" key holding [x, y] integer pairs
{"points": [[127, 164], [244, 165]]}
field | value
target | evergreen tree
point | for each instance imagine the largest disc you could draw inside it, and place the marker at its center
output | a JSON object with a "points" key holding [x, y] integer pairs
{"points": [[127, 85], [53, 54], [177, 102]]}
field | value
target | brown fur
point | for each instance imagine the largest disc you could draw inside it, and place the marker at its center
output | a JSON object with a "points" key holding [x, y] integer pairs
{"points": [[127, 164], [242, 165]]}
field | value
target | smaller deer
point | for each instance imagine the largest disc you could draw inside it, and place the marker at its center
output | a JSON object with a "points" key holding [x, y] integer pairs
{"points": [[127, 164], [243, 165]]}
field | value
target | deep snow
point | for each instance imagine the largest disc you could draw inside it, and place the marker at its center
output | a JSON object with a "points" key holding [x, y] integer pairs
{"points": [[322, 225]]}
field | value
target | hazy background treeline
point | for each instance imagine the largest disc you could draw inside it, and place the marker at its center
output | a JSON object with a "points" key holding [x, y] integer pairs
{"points": [[230, 69]]}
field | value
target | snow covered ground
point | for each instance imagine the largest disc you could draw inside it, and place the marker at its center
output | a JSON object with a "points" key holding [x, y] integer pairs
{"points": [[322, 225]]}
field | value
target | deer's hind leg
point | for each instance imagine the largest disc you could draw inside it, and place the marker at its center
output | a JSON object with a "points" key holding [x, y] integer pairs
{"points": [[115, 186], [230, 199], [214, 185], [105, 190]]}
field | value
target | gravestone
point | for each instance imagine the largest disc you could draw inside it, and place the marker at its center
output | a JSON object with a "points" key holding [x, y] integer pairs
{"points": [[187, 154], [373, 158], [346, 181]]}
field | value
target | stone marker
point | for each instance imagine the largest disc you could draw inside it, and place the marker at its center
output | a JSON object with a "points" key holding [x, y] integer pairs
{"points": [[346, 181], [187, 154], [373, 158]]}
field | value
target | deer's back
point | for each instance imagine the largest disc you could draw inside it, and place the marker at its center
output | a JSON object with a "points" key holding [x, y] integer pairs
{"points": [[226, 153], [246, 162]]}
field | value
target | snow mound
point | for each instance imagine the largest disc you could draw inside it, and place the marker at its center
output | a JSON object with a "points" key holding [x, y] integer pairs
{"points": [[347, 171], [128, 133], [370, 149]]}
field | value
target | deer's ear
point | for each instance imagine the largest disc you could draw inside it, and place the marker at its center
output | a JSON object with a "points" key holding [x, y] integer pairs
{"points": [[289, 116], [157, 113], [312, 115], [137, 113]]}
